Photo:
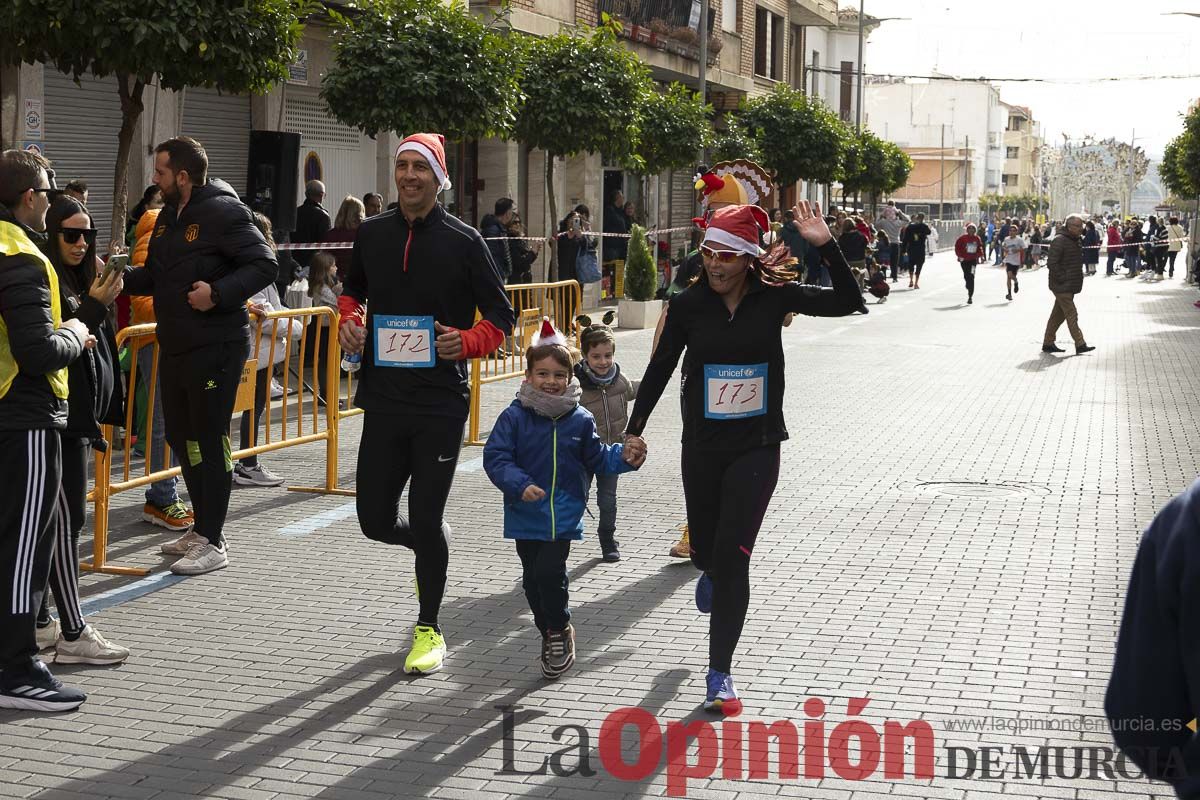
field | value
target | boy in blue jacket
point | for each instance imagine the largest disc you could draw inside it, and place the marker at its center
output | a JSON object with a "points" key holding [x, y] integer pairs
{"points": [[538, 454]]}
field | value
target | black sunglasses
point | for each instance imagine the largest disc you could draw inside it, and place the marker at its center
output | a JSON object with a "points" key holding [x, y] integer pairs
{"points": [[73, 235]]}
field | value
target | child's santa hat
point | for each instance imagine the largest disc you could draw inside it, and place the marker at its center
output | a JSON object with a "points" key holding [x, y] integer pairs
{"points": [[549, 335], [432, 147], [737, 229]]}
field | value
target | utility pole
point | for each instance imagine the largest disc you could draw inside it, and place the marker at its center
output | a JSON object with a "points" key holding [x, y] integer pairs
{"points": [[966, 168], [942, 181], [703, 31], [858, 90], [1132, 138]]}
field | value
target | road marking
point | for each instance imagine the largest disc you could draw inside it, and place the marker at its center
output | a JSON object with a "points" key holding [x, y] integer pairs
{"points": [[114, 597], [319, 521]]}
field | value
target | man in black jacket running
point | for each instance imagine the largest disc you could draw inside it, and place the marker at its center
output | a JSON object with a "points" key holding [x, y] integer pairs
{"points": [[206, 259], [36, 347]]}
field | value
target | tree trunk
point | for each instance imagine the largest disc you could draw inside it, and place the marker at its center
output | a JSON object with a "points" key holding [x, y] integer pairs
{"points": [[131, 115], [553, 276]]}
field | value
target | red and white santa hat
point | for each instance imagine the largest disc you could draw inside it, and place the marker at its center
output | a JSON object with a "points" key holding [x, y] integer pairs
{"points": [[549, 334], [737, 229], [432, 147]]}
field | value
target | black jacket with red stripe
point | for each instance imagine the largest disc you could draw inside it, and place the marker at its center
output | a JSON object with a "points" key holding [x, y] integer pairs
{"points": [[440, 267]]}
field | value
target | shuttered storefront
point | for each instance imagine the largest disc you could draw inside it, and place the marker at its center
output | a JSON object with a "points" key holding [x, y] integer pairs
{"points": [[220, 122], [82, 124], [683, 208], [346, 156]]}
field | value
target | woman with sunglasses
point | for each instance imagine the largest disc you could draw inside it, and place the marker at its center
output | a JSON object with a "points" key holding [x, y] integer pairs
{"points": [[94, 398], [730, 320]]}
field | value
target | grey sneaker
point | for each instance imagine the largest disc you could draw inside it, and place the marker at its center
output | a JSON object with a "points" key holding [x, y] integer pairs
{"points": [[181, 545], [89, 648], [47, 636], [257, 475], [202, 558]]}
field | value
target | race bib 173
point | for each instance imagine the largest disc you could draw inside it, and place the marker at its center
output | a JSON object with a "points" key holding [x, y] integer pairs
{"points": [[734, 391]]}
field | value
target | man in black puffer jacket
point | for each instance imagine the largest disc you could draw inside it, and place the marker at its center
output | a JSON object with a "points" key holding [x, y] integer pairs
{"points": [[206, 259], [36, 347]]}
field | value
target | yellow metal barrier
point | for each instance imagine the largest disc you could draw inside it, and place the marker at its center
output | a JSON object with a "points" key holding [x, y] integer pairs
{"points": [[296, 425], [559, 301]]}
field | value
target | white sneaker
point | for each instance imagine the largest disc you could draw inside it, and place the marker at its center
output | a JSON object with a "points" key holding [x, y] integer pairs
{"points": [[181, 545], [276, 389], [257, 475], [47, 636], [89, 648], [201, 558]]}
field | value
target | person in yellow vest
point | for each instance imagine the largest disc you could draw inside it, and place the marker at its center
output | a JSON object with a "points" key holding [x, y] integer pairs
{"points": [[36, 347]]}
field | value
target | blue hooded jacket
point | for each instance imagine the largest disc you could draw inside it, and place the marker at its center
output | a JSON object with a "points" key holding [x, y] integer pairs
{"points": [[526, 449]]}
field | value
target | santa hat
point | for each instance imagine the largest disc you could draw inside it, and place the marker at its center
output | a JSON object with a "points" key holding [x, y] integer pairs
{"points": [[549, 335], [737, 229], [431, 147]]}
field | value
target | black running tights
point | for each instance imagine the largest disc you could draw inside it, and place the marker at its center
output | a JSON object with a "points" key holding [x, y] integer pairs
{"points": [[422, 452], [727, 494]]}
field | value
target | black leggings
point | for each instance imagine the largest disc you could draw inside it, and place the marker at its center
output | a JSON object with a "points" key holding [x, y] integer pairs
{"points": [[64, 567], [968, 268], [544, 579], [915, 265], [1171, 260], [393, 449], [727, 494], [198, 392]]}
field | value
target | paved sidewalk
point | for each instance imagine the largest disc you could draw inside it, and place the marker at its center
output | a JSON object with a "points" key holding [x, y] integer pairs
{"points": [[954, 526]]}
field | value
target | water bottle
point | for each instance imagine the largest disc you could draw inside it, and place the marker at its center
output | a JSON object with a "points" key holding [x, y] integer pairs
{"points": [[351, 362]]}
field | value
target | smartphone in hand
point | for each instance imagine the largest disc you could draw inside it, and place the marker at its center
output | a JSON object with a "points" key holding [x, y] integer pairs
{"points": [[116, 263]]}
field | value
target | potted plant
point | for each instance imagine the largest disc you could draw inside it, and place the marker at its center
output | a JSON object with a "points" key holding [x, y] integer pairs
{"points": [[639, 309]]}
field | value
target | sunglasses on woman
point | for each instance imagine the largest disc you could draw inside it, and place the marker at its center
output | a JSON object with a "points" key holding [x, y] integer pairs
{"points": [[720, 256], [73, 235]]}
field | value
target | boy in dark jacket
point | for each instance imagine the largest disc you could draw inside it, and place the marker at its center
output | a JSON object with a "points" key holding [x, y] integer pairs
{"points": [[1153, 700], [537, 455]]}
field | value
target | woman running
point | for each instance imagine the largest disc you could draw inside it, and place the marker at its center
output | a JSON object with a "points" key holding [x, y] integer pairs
{"points": [[730, 320]]}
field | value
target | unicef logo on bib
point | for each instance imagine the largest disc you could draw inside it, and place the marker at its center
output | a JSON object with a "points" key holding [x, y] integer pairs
{"points": [[403, 341], [735, 391]]}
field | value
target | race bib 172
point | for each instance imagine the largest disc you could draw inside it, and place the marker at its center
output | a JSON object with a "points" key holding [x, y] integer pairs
{"points": [[404, 341]]}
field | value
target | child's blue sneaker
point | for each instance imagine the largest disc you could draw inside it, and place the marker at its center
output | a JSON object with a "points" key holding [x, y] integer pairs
{"points": [[704, 591], [721, 696]]}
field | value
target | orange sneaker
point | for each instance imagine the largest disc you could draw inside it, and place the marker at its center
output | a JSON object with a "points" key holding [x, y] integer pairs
{"points": [[682, 548], [175, 517]]}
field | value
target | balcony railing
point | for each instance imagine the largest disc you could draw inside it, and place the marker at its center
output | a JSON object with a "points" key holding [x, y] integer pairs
{"points": [[669, 25]]}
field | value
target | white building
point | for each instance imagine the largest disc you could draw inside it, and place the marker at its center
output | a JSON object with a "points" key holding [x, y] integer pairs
{"points": [[958, 124]]}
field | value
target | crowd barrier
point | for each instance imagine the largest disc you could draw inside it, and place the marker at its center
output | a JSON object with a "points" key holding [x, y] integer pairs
{"points": [[299, 419]]}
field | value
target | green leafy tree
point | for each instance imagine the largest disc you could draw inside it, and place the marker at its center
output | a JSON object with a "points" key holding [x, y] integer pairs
{"points": [[240, 48], [898, 167], [734, 142], [798, 136], [865, 164], [673, 129], [422, 65], [582, 94], [641, 279], [1180, 167]]}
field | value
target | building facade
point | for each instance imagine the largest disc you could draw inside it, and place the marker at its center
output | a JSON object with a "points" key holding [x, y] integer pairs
{"points": [[954, 132], [753, 45]]}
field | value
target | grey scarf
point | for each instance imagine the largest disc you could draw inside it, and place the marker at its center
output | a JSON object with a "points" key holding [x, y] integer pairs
{"points": [[549, 405]]}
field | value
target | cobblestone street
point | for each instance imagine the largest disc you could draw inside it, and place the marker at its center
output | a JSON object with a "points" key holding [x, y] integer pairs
{"points": [[955, 522]]}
